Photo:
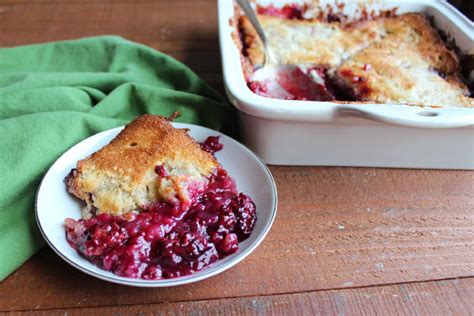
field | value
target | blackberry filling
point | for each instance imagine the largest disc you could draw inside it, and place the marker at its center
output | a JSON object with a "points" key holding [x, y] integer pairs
{"points": [[157, 244]]}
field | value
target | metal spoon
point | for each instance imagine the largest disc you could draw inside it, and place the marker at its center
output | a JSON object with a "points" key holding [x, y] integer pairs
{"points": [[271, 71], [247, 8], [283, 81]]}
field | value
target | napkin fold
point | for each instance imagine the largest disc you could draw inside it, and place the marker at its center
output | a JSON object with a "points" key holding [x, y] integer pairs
{"points": [[54, 95]]}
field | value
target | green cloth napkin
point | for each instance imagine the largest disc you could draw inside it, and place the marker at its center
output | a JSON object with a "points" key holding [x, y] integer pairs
{"points": [[54, 95]]}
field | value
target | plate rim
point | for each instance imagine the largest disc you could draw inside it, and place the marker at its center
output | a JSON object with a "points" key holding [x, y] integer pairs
{"points": [[179, 280]]}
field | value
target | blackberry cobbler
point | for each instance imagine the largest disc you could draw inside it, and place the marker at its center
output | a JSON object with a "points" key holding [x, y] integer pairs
{"points": [[175, 210], [324, 55]]}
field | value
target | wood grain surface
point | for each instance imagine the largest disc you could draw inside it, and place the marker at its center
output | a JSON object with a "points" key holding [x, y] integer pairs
{"points": [[345, 241], [336, 228], [429, 298]]}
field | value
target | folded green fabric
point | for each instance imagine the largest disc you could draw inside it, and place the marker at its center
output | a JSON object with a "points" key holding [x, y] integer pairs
{"points": [[54, 95]]}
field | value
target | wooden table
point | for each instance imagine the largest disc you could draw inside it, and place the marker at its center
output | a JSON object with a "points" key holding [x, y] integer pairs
{"points": [[345, 241]]}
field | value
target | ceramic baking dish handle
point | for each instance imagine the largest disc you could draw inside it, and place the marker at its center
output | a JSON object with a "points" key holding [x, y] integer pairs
{"points": [[411, 116]]}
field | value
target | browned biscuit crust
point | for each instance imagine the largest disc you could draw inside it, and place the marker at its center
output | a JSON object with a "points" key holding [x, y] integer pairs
{"points": [[394, 73], [120, 177], [389, 59], [307, 42], [414, 30], [410, 65]]}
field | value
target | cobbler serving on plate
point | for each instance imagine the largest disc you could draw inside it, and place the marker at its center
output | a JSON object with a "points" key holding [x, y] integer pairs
{"points": [[158, 204], [375, 58]]}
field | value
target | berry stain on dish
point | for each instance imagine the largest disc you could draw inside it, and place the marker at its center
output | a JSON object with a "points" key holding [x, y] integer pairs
{"points": [[171, 236]]}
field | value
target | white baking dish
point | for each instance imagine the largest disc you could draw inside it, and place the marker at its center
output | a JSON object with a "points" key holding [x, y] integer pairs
{"points": [[287, 132]]}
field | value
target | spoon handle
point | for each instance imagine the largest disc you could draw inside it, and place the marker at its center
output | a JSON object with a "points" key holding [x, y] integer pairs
{"points": [[247, 8]]}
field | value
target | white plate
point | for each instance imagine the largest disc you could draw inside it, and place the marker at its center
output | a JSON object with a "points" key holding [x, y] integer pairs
{"points": [[54, 204]]}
